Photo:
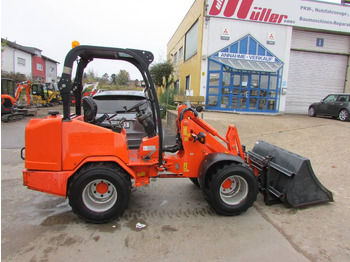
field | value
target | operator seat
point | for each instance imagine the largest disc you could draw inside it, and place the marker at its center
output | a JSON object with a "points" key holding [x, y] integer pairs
{"points": [[90, 109]]}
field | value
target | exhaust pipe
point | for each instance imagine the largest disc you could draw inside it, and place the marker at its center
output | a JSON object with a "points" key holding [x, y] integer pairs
{"points": [[287, 177]]}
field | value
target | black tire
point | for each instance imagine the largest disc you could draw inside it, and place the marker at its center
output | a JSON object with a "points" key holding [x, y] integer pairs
{"points": [[241, 188], [195, 181], [99, 193], [312, 111], [343, 115]]}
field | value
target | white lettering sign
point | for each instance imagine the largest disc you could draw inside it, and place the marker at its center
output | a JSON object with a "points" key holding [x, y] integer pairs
{"points": [[247, 57]]}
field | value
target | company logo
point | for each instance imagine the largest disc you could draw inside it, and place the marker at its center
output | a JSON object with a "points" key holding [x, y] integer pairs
{"points": [[242, 9]]}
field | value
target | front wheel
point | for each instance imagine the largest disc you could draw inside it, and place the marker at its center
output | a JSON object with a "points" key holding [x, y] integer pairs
{"points": [[312, 111], [344, 115], [99, 193], [233, 189]]}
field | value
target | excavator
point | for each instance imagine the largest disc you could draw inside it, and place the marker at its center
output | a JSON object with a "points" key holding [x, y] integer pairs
{"points": [[17, 108], [43, 95], [89, 162]]}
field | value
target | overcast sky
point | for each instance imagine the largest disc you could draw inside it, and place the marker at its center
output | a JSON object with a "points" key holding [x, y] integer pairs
{"points": [[52, 25]]}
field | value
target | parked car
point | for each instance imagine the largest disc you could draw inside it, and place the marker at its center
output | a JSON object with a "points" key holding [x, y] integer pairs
{"points": [[334, 105], [112, 102]]}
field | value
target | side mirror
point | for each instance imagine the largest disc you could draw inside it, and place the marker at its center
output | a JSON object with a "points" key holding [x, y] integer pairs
{"points": [[322, 100]]}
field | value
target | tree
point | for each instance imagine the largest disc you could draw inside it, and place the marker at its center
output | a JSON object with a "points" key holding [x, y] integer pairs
{"points": [[105, 77], [91, 76], [17, 77], [114, 79], [123, 78], [3, 44], [162, 75], [161, 72]]}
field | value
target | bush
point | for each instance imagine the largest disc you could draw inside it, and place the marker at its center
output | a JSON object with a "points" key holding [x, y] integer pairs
{"points": [[163, 97], [163, 112]]}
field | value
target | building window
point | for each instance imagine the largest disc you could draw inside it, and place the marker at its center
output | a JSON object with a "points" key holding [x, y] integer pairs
{"points": [[39, 67], [188, 82], [191, 41], [21, 61], [181, 50], [175, 58]]}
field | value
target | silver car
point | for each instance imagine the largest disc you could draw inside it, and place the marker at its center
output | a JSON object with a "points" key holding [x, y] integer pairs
{"points": [[117, 102]]}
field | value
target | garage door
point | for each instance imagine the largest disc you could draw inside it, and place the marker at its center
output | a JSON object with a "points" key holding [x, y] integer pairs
{"points": [[311, 77]]}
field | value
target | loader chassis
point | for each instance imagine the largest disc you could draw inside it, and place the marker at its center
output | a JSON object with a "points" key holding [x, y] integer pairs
{"points": [[91, 164]]}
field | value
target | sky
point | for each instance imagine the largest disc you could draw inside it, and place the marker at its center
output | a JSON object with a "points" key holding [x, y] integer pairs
{"points": [[52, 26]]}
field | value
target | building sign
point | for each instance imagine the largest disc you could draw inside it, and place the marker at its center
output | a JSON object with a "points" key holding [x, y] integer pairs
{"points": [[320, 42], [271, 38], [310, 14], [225, 35], [247, 57]]}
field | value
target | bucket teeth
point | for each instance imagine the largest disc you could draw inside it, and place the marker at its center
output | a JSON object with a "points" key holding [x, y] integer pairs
{"points": [[287, 177]]}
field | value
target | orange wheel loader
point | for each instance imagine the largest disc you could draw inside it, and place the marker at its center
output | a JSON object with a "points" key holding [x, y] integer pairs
{"points": [[89, 161]]}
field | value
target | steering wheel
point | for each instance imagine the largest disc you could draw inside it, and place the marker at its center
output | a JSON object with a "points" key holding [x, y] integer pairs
{"points": [[139, 104]]}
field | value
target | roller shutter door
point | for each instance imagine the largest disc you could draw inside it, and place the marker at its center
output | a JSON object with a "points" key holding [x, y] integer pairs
{"points": [[311, 77]]}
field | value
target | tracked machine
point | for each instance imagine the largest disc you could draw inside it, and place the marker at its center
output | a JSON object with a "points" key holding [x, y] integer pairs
{"points": [[90, 164], [17, 107]]}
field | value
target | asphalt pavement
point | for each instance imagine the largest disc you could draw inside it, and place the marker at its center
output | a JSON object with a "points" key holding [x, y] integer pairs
{"points": [[178, 223]]}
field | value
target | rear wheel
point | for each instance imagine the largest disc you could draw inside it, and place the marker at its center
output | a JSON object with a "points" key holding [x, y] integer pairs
{"points": [[344, 115], [312, 111], [99, 193], [232, 190]]}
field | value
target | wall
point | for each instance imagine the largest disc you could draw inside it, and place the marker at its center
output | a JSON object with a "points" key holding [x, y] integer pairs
{"points": [[193, 65], [38, 74], [9, 61], [306, 41], [51, 76]]}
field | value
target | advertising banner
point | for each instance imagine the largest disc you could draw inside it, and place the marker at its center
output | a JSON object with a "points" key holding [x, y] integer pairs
{"points": [[310, 14]]}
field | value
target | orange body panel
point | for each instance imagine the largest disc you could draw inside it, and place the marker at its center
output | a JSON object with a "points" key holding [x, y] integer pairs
{"points": [[49, 182], [81, 140], [43, 143]]}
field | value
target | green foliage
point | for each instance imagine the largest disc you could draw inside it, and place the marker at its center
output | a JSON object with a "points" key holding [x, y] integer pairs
{"points": [[168, 99], [114, 79], [15, 77], [163, 112], [123, 78], [107, 87], [162, 72], [3, 44], [105, 77]]}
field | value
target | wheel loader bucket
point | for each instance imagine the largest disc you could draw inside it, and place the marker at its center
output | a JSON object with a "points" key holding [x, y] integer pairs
{"points": [[287, 177]]}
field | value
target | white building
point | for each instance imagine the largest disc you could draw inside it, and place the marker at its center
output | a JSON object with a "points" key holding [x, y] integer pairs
{"points": [[28, 61], [263, 56], [16, 60]]}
